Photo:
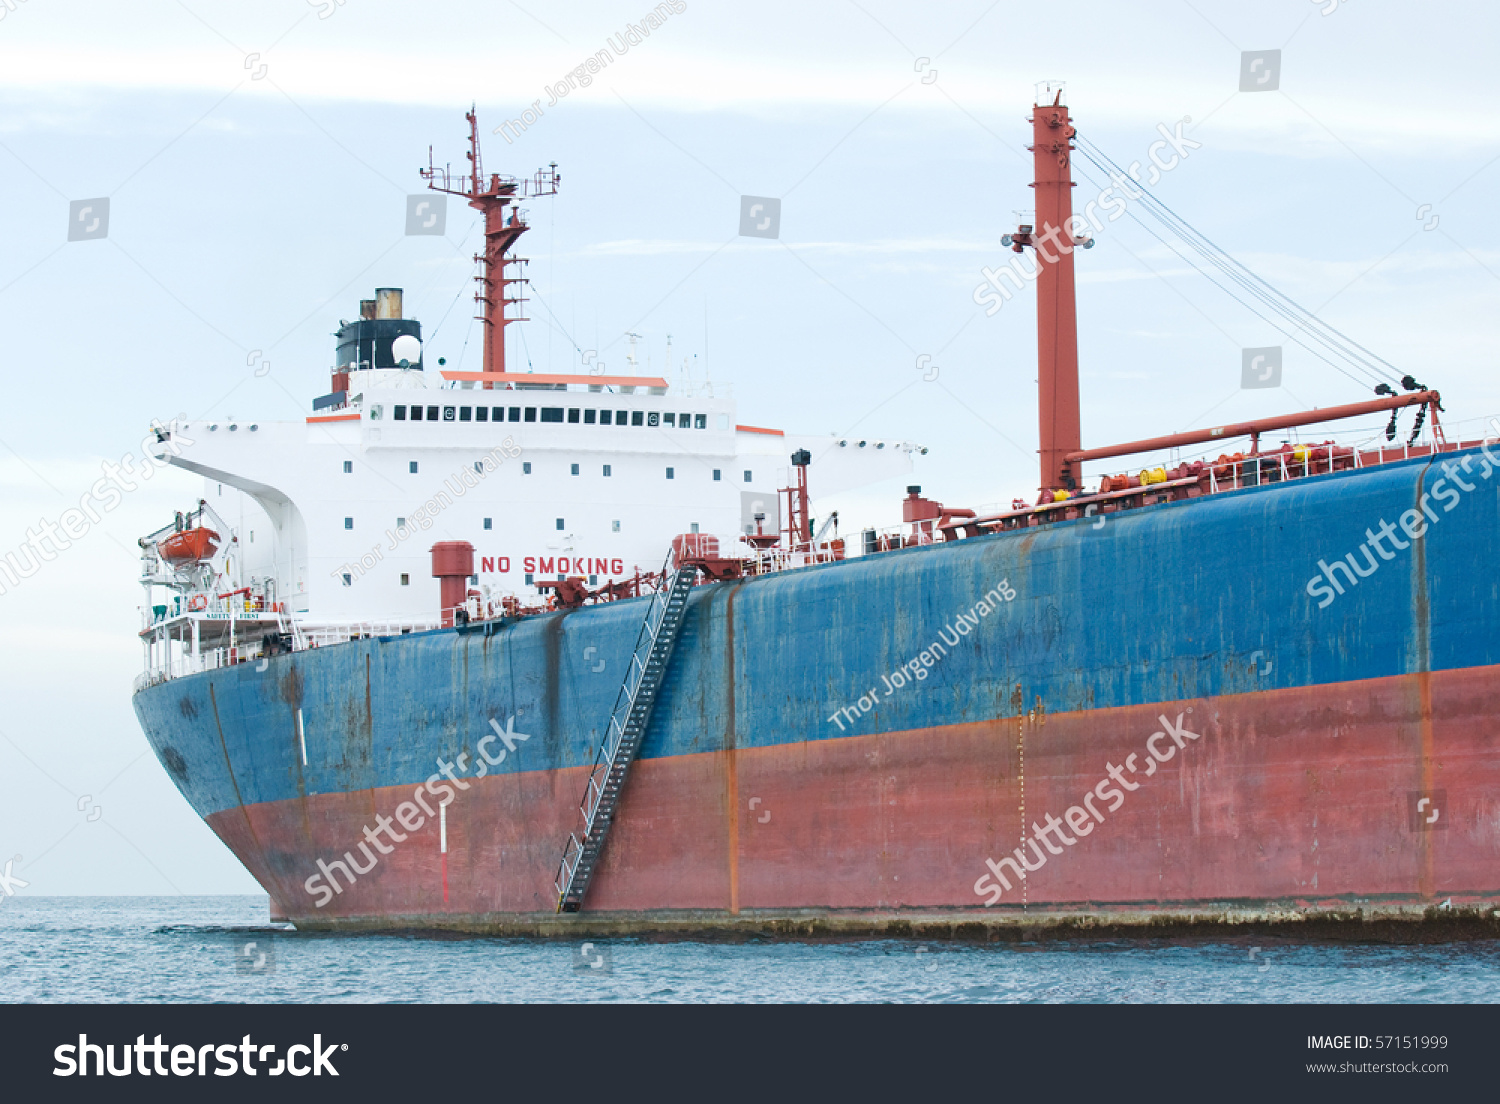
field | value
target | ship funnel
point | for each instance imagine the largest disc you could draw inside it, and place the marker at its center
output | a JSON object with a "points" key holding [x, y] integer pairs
{"points": [[367, 310], [452, 564], [387, 303]]}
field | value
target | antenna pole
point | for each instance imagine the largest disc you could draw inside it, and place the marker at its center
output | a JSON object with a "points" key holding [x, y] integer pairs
{"points": [[503, 226]]}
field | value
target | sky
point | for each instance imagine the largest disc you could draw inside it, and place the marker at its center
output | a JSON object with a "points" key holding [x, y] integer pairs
{"points": [[256, 158]]}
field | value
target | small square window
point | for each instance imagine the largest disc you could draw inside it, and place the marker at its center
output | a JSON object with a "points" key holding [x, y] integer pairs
{"points": [[638, 418], [515, 414], [499, 415], [575, 469], [653, 419], [716, 475], [432, 413], [525, 467], [593, 580], [465, 413], [400, 523], [399, 413], [605, 416], [572, 414], [348, 466], [614, 527], [669, 419], [348, 579], [700, 421], [695, 527], [528, 578], [671, 474], [489, 523], [622, 416], [473, 580], [608, 471], [531, 413], [552, 414], [412, 467], [479, 466], [416, 413], [682, 420], [747, 477], [405, 579], [559, 524], [348, 523], [589, 416], [481, 413]]}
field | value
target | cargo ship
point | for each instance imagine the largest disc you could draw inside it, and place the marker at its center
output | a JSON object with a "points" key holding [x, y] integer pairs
{"points": [[1244, 689]]}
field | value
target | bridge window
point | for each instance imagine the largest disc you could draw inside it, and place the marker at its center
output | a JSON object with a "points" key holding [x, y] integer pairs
{"points": [[531, 413], [636, 418], [481, 413], [552, 413], [700, 421], [416, 413], [589, 416], [670, 419], [515, 413], [572, 415], [399, 413], [465, 413], [432, 414]]}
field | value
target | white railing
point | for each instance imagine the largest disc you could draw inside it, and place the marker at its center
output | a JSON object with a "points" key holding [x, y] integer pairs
{"points": [[190, 664], [303, 637], [339, 632], [765, 561]]}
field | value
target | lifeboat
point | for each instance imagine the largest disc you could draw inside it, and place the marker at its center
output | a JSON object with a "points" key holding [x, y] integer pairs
{"points": [[189, 546]]}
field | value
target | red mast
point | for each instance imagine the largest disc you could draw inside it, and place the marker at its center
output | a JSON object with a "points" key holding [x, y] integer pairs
{"points": [[1056, 307], [503, 225]]}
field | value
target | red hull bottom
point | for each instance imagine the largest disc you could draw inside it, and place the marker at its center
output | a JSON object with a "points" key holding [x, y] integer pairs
{"points": [[1368, 798]]}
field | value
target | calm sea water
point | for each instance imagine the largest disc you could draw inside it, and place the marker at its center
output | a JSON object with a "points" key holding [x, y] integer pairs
{"points": [[199, 949]]}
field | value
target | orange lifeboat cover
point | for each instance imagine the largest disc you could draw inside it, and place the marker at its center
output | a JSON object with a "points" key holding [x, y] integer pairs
{"points": [[189, 546]]}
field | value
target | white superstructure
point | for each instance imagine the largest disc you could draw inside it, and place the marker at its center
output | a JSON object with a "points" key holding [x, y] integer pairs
{"points": [[332, 518]]}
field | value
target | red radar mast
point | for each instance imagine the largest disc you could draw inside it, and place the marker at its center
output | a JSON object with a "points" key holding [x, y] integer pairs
{"points": [[504, 223]]}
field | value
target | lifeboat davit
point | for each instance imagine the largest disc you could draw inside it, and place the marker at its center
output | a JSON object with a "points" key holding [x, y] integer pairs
{"points": [[189, 546]]}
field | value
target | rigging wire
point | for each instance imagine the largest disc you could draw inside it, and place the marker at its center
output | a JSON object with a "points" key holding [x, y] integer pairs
{"points": [[1328, 343], [1283, 305]]}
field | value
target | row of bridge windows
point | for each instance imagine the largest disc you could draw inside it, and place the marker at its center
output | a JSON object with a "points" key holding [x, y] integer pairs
{"points": [[572, 415]]}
